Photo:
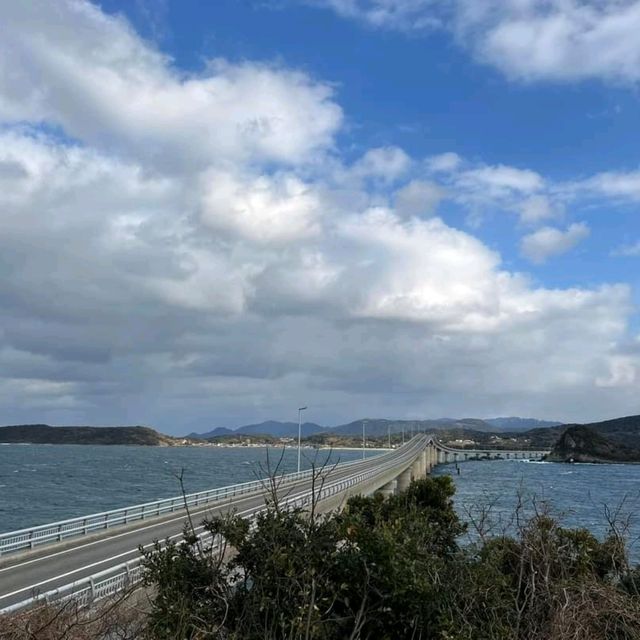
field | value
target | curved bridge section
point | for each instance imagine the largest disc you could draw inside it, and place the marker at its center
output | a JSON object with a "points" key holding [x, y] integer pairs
{"points": [[435, 453], [95, 556]]}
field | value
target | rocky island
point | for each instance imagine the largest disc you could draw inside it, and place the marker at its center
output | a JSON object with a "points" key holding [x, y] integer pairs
{"points": [[45, 434], [580, 443]]}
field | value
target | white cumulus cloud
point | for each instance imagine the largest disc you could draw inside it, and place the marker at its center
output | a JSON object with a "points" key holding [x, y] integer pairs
{"points": [[67, 63], [547, 242], [557, 40]]}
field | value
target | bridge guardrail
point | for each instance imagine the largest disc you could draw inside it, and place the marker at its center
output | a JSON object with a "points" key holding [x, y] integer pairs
{"points": [[13, 541], [110, 581]]}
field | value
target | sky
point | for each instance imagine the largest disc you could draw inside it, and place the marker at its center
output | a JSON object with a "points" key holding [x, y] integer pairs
{"points": [[214, 213]]}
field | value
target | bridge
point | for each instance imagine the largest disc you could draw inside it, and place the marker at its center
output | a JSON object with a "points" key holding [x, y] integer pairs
{"points": [[95, 556]]}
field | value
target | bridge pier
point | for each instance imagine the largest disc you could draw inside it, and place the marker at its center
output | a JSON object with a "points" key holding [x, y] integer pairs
{"points": [[403, 481], [426, 463], [388, 489]]}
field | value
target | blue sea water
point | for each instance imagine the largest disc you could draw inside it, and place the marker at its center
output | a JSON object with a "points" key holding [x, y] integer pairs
{"points": [[578, 494], [45, 483]]}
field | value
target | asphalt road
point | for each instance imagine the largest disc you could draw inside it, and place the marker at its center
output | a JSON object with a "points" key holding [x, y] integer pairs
{"points": [[28, 575]]}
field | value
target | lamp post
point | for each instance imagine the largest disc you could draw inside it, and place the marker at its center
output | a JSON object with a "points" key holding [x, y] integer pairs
{"points": [[389, 435], [364, 438], [300, 410]]}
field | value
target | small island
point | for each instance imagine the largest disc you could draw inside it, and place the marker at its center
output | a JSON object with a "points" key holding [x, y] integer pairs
{"points": [[580, 443], [46, 434]]}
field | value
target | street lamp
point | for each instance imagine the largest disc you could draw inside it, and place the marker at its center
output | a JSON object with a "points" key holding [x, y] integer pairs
{"points": [[364, 438], [300, 410]]}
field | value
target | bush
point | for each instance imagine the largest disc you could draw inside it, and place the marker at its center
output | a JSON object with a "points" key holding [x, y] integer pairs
{"points": [[391, 569]]}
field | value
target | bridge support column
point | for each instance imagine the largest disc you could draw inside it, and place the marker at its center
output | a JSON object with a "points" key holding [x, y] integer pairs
{"points": [[426, 463], [387, 489], [416, 469], [403, 481]]}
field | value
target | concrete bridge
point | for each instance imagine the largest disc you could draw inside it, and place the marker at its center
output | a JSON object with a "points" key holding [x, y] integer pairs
{"points": [[95, 556]]}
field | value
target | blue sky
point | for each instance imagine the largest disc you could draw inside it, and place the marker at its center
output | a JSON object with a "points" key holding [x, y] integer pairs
{"points": [[412, 208], [422, 92]]}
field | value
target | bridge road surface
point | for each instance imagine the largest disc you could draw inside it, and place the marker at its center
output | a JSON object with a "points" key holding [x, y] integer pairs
{"points": [[24, 575]]}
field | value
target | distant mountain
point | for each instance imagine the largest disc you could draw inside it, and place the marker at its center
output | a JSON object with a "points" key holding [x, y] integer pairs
{"points": [[45, 434], [268, 428], [215, 433], [379, 427], [520, 424]]}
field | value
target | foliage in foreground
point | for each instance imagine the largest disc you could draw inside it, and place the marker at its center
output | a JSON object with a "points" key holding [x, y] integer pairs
{"points": [[381, 569], [119, 618], [391, 569]]}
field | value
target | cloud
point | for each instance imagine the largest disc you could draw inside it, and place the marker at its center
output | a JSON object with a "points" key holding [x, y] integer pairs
{"points": [[624, 372], [444, 162], [264, 209], [91, 75], [548, 242], [624, 185], [196, 250], [501, 179], [418, 197], [537, 209], [481, 188], [556, 40], [627, 250], [384, 163], [405, 15]]}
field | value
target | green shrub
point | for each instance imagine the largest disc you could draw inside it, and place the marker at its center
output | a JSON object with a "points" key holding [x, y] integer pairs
{"points": [[386, 569]]}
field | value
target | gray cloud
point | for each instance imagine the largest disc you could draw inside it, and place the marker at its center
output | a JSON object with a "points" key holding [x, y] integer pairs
{"points": [[186, 277]]}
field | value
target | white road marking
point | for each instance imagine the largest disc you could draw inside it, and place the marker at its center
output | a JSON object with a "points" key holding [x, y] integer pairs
{"points": [[95, 564], [209, 507], [31, 587], [114, 537]]}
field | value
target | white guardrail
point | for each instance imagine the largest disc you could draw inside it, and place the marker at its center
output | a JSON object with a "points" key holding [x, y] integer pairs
{"points": [[111, 581], [81, 526]]}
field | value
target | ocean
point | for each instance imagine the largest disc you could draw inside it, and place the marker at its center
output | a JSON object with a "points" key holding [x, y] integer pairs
{"points": [[45, 483], [579, 495]]}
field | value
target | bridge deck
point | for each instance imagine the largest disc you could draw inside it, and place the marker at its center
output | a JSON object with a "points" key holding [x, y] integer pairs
{"points": [[24, 576], [27, 575]]}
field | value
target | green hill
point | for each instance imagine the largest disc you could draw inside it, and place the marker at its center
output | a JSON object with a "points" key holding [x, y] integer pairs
{"points": [[582, 443], [45, 434]]}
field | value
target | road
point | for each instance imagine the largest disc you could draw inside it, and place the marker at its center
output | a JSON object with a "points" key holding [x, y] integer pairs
{"points": [[26, 575]]}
